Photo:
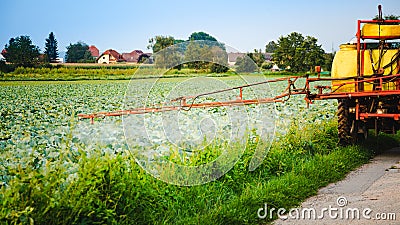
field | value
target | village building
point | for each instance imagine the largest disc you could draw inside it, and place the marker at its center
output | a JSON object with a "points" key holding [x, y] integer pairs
{"points": [[132, 57], [232, 57], [110, 56], [94, 51]]}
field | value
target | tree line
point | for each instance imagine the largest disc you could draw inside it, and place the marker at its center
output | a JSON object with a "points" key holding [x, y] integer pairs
{"points": [[298, 53], [200, 51], [20, 51]]}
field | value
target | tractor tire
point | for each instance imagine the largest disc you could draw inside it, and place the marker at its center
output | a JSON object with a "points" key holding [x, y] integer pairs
{"points": [[344, 123]]}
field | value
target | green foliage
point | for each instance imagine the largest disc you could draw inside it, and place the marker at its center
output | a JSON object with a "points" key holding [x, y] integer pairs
{"points": [[210, 40], [50, 177], [202, 51], [267, 65], [387, 17], [5, 68], [270, 47], [115, 190], [51, 49], [328, 60], [245, 65], [21, 52], [298, 53], [165, 53], [257, 57], [78, 52], [218, 68], [197, 56], [160, 42]]}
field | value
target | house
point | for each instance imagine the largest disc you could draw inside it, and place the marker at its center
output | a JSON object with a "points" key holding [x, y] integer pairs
{"points": [[232, 57], [3, 52], [132, 57], [60, 60], [275, 68], [146, 58], [94, 51], [110, 56], [268, 57]]}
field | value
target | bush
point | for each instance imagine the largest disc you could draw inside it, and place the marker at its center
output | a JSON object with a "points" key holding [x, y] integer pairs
{"points": [[245, 65], [5, 68], [217, 68]]}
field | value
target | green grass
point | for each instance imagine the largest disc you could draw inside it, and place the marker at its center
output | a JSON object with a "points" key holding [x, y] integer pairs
{"points": [[110, 72], [115, 190]]}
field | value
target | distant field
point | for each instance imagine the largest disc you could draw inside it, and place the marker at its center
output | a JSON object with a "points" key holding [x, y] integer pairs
{"points": [[98, 64]]}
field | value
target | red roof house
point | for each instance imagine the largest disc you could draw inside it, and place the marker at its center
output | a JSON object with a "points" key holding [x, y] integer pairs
{"points": [[132, 56], [94, 51], [110, 56]]}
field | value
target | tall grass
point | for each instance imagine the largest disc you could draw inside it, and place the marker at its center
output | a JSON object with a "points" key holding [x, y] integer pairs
{"points": [[110, 189]]}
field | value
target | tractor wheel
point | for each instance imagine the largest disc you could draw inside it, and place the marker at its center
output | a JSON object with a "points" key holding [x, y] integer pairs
{"points": [[344, 123]]}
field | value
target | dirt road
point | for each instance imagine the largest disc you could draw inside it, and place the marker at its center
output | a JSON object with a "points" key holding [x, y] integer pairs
{"points": [[368, 195]]}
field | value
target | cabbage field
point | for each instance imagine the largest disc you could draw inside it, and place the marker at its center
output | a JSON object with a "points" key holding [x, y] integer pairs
{"points": [[46, 148], [39, 119]]}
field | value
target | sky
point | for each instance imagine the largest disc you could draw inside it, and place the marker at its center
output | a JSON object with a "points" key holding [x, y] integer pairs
{"points": [[126, 25]]}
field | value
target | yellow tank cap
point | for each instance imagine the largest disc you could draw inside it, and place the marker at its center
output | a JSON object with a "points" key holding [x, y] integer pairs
{"points": [[386, 30], [348, 47]]}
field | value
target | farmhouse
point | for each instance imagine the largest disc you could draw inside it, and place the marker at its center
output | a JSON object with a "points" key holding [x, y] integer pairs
{"points": [[268, 57], [132, 56], [110, 56], [2, 54], [94, 51], [232, 57]]}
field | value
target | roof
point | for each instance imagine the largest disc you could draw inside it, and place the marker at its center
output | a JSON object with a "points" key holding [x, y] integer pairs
{"points": [[114, 53], [94, 51], [132, 56], [232, 56], [268, 56]]}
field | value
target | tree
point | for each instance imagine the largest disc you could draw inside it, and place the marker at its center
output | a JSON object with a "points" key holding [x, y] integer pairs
{"points": [[196, 56], [298, 53], [166, 54], [258, 57], [270, 47], [245, 65], [206, 47], [328, 57], [78, 52], [219, 60], [21, 52], [208, 39], [159, 42], [50, 49], [387, 17], [314, 55]]}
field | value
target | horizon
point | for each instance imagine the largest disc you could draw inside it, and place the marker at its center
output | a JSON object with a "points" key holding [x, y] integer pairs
{"points": [[127, 26]]}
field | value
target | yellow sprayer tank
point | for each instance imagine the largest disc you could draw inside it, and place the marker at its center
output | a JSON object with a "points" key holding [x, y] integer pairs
{"points": [[345, 61]]}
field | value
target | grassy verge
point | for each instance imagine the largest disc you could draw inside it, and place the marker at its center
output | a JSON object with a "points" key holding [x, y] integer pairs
{"points": [[109, 72], [110, 189]]}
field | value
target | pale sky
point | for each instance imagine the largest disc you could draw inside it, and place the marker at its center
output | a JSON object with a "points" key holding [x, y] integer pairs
{"points": [[126, 25]]}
